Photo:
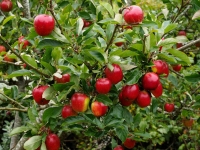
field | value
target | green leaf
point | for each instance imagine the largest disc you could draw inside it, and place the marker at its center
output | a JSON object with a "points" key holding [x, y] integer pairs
{"points": [[137, 119], [166, 57], [26, 20], [181, 55], [193, 78], [19, 130], [109, 8], [31, 116], [104, 99], [117, 111], [49, 93], [84, 15], [133, 77], [128, 53], [109, 32], [50, 43], [43, 146], [114, 122], [79, 26], [122, 132], [57, 53], [167, 42], [29, 60], [63, 86], [98, 29], [8, 19], [127, 116], [108, 20], [19, 73], [1, 18], [73, 120], [33, 143], [143, 135], [48, 66], [52, 112], [97, 56]]}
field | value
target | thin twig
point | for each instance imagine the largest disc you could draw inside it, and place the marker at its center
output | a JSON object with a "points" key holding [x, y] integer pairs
{"points": [[188, 45], [176, 73], [13, 109], [11, 63], [20, 57]]}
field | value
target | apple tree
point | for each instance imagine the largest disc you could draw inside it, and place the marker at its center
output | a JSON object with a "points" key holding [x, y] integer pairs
{"points": [[92, 74]]}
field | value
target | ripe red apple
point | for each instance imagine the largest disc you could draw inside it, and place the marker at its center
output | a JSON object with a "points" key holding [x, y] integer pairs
{"points": [[6, 5], [188, 122], [165, 69], [103, 85], [44, 24], [129, 143], [130, 92], [177, 67], [52, 142], [197, 44], [79, 102], [37, 95], [7, 58], [64, 79], [158, 67], [178, 45], [24, 65], [116, 75], [24, 42], [144, 99], [150, 81], [86, 23], [133, 14], [169, 107], [182, 33], [67, 111], [119, 44], [2, 48], [99, 109], [118, 147], [158, 91], [123, 101]]}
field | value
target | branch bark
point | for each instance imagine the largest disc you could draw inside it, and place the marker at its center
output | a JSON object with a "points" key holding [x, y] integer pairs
{"points": [[26, 7], [188, 45]]}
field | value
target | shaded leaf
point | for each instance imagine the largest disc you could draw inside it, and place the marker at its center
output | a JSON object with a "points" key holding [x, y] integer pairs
{"points": [[51, 112]]}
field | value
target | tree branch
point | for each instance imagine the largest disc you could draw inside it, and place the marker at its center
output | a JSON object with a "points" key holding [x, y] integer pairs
{"points": [[188, 45], [13, 109], [26, 7], [19, 56]]}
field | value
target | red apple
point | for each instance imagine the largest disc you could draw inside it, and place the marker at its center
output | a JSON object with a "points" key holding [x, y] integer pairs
{"points": [[150, 81], [129, 143], [123, 101], [144, 99], [178, 45], [67, 111], [24, 65], [64, 79], [177, 67], [37, 95], [79, 102], [182, 33], [99, 109], [188, 122], [197, 44], [130, 92], [119, 44], [44, 24], [2, 48], [6, 5], [86, 23], [118, 147], [158, 67], [24, 42], [7, 58], [103, 85], [158, 91], [116, 75], [169, 107], [133, 14], [165, 69], [52, 142]]}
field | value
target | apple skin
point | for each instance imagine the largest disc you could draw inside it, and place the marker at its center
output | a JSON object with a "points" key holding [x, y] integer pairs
{"points": [[98, 108], [123, 101], [182, 33], [119, 44], [158, 67], [103, 85], [158, 91], [24, 42], [24, 65], [52, 142], [150, 81], [165, 69], [44, 24], [130, 92], [6, 5], [67, 111], [143, 99], [178, 45], [169, 107], [133, 14], [116, 75], [86, 23], [129, 143], [7, 58], [118, 147], [79, 102], [64, 79], [197, 44], [2, 48], [37, 95], [177, 67], [188, 122]]}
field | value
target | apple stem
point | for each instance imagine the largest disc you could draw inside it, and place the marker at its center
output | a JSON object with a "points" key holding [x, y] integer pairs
{"points": [[12, 101], [19, 56], [52, 13]]}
